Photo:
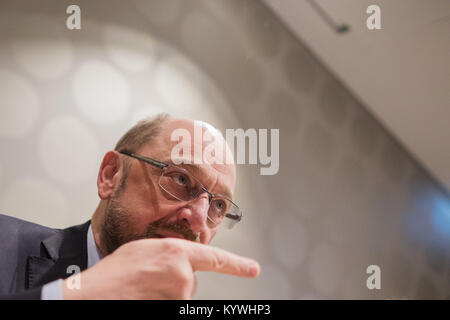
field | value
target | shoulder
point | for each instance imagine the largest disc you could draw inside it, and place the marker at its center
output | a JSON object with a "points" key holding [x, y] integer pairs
{"points": [[18, 240], [12, 223], [11, 227]]}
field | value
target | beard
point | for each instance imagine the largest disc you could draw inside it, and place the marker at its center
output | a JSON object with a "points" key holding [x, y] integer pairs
{"points": [[117, 225]]}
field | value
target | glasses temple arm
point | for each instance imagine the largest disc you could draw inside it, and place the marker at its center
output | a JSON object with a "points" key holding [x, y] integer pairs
{"points": [[233, 216], [153, 162]]}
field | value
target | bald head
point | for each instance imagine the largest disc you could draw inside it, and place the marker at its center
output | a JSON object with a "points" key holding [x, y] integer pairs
{"points": [[183, 142], [197, 145], [205, 142]]}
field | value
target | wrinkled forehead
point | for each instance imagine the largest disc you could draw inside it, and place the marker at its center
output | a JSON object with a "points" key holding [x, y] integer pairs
{"points": [[204, 142], [199, 144]]}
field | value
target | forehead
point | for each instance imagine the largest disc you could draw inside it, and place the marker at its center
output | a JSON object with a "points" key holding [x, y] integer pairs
{"points": [[221, 177]]}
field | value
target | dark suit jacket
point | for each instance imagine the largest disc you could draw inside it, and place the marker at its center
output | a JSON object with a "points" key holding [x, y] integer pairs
{"points": [[32, 255]]}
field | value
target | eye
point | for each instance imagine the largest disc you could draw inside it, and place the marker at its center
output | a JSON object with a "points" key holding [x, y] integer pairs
{"points": [[181, 179], [220, 206]]}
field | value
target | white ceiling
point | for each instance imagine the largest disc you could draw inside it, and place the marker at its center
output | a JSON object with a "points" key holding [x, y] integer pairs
{"points": [[401, 72]]}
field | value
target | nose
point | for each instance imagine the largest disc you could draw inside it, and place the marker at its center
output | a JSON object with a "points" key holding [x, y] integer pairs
{"points": [[195, 213]]}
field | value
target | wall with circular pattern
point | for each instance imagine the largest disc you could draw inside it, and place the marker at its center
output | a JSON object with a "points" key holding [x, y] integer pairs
{"points": [[347, 195]]}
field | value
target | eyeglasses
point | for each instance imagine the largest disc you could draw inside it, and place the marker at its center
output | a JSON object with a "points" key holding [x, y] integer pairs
{"points": [[183, 186]]}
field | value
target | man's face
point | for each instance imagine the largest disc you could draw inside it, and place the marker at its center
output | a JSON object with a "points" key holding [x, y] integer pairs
{"points": [[139, 208]]}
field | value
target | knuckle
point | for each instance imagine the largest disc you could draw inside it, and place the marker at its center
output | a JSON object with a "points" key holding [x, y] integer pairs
{"points": [[220, 261], [124, 249], [173, 246], [184, 279], [132, 245], [133, 249]]}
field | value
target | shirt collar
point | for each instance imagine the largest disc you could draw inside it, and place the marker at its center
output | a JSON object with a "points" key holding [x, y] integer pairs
{"points": [[94, 255]]}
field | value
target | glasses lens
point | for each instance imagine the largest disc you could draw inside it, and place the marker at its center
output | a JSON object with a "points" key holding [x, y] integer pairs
{"points": [[223, 212], [185, 187], [180, 184]]}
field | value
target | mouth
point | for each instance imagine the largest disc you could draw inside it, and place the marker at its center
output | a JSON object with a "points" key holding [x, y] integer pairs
{"points": [[169, 235], [170, 230]]}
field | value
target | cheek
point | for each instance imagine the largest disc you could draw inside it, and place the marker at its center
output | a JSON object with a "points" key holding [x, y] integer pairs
{"points": [[168, 211], [142, 190], [141, 205]]}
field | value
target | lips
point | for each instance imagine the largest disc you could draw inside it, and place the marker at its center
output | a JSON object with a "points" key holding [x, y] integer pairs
{"points": [[161, 229], [170, 235]]}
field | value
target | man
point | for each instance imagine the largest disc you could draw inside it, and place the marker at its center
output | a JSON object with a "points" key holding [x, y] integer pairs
{"points": [[148, 210]]}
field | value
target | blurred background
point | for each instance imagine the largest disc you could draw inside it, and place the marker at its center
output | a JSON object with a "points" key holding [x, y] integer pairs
{"points": [[363, 115]]}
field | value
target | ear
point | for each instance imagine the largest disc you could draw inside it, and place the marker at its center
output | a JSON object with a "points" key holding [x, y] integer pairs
{"points": [[109, 175]]}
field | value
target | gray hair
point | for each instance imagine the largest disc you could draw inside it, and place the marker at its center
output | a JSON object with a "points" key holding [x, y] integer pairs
{"points": [[141, 133]]}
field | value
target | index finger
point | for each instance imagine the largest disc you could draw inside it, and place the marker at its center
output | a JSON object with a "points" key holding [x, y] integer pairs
{"points": [[206, 258]]}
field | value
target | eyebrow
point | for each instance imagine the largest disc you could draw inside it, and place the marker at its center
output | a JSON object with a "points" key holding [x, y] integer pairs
{"points": [[197, 170]]}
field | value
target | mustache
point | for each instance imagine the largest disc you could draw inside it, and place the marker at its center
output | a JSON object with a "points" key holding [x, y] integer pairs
{"points": [[184, 231]]}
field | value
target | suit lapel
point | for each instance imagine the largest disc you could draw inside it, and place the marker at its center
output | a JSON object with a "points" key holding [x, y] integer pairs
{"points": [[58, 252], [36, 268]]}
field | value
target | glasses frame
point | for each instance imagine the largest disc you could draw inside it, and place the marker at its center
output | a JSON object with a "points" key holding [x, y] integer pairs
{"points": [[162, 165]]}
